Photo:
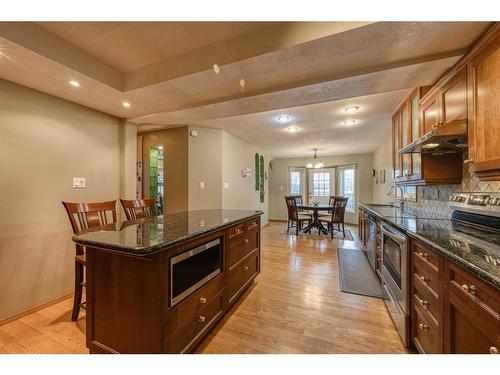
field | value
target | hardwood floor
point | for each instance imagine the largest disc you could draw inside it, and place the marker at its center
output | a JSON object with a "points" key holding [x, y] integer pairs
{"points": [[295, 306]]}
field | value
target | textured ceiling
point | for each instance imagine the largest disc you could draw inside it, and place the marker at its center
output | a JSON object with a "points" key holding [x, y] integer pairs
{"points": [[165, 71]]}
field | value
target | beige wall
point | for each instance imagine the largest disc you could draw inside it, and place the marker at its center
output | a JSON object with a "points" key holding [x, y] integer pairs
{"points": [[176, 151], [44, 143], [205, 165], [278, 181], [382, 159], [240, 192]]}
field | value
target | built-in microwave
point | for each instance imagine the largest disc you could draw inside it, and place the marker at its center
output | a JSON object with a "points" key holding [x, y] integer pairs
{"points": [[194, 268]]}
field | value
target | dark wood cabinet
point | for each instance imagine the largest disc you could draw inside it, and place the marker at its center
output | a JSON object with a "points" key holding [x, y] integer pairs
{"points": [[471, 313], [430, 116], [130, 309], [483, 72], [452, 311]]}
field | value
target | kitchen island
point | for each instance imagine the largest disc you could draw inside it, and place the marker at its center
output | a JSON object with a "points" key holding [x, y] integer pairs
{"points": [[160, 285]]}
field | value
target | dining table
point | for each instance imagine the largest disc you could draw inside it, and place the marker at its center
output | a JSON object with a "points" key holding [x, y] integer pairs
{"points": [[315, 223]]}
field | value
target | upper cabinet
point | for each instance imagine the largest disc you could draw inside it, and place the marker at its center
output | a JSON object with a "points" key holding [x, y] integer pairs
{"points": [[410, 121], [483, 72], [461, 110]]}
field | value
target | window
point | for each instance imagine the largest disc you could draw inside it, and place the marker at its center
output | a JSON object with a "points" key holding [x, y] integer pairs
{"points": [[295, 183], [321, 184], [347, 186]]}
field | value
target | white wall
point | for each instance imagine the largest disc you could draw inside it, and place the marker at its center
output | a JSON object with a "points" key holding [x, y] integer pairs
{"points": [[278, 181], [44, 143], [240, 193], [382, 159]]}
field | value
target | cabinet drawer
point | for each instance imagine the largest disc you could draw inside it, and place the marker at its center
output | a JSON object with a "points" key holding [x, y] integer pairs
{"points": [[239, 249], [252, 224], [241, 274], [192, 305], [425, 275], [477, 294], [195, 328], [235, 232], [428, 302], [425, 333], [427, 256]]}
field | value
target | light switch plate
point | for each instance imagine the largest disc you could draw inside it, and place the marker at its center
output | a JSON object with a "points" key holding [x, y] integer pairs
{"points": [[202, 185], [226, 185], [78, 182]]}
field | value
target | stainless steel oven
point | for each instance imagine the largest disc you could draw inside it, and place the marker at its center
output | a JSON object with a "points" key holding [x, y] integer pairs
{"points": [[194, 268], [395, 278]]}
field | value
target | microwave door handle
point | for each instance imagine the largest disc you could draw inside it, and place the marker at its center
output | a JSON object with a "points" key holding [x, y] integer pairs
{"points": [[394, 236]]}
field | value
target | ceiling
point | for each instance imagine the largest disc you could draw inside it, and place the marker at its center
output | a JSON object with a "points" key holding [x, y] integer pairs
{"points": [[311, 70]]}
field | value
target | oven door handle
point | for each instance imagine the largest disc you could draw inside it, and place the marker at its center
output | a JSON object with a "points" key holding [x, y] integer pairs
{"points": [[394, 236]]}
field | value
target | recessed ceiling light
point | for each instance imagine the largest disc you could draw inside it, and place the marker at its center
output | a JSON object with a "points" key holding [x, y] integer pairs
{"points": [[216, 69], [74, 83], [292, 129], [283, 118], [126, 104], [349, 122], [351, 109]]}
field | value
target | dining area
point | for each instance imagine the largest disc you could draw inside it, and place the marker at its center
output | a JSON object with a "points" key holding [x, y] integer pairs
{"points": [[315, 218]]}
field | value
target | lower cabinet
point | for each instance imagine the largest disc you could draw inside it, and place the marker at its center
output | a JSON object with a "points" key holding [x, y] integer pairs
{"points": [[452, 311]]}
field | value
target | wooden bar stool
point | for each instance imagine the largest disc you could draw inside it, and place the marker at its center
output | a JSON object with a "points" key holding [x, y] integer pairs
{"points": [[139, 208], [83, 216]]}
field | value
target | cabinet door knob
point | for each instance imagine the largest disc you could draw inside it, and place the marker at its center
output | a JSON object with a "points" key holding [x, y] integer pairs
{"points": [[469, 288], [493, 350], [201, 319], [423, 327], [246, 240], [423, 302], [423, 279], [203, 300], [468, 161], [465, 288], [423, 255], [245, 268]]}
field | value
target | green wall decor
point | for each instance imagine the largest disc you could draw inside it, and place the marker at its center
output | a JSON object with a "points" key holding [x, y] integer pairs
{"points": [[261, 178], [257, 169]]}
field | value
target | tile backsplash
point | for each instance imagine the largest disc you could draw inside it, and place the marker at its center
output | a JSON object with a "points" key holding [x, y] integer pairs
{"points": [[432, 201]]}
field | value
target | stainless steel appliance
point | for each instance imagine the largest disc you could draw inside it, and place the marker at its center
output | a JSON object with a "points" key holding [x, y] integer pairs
{"points": [[193, 268], [395, 278], [371, 241]]}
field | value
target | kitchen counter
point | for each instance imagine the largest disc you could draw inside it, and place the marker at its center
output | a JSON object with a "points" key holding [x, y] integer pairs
{"points": [[474, 248], [148, 236]]}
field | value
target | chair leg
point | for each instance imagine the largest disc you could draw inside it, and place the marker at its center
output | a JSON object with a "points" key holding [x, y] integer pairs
{"points": [[288, 226], [77, 300], [343, 228], [297, 228], [331, 230]]}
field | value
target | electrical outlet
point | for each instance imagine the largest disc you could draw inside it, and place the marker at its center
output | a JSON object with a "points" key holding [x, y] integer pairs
{"points": [[226, 185], [202, 185], [78, 182]]}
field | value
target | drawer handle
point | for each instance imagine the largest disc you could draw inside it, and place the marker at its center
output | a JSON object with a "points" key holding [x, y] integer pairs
{"points": [[424, 279], [494, 350], [201, 319], [468, 161], [424, 255], [203, 300], [423, 302], [246, 240], [245, 268], [423, 327], [469, 289]]}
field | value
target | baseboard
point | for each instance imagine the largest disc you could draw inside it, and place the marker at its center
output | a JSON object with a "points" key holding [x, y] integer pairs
{"points": [[35, 309], [277, 221]]}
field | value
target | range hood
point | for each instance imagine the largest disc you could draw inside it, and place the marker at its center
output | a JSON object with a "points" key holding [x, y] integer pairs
{"points": [[448, 138]]}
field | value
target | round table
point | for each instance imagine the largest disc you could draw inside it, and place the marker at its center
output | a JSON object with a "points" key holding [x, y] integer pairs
{"points": [[315, 223]]}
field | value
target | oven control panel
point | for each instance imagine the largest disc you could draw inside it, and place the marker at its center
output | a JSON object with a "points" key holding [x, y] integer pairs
{"points": [[480, 203]]}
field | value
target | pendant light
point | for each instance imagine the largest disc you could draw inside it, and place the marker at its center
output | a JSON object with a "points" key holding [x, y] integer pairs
{"points": [[316, 163]]}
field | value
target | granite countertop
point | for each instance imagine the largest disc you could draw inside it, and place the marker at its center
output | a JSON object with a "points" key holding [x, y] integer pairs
{"points": [[148, 236], [474, 248]]}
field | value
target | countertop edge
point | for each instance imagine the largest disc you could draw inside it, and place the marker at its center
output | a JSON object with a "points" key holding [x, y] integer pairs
{"points": [[143, 251], [459, 261]]}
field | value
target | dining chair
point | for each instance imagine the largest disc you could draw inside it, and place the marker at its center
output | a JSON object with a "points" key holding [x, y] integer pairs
{"points": [[138, 208], [299, 200], [294, 216], [337, 215], [331, 202], [81, 217]]}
